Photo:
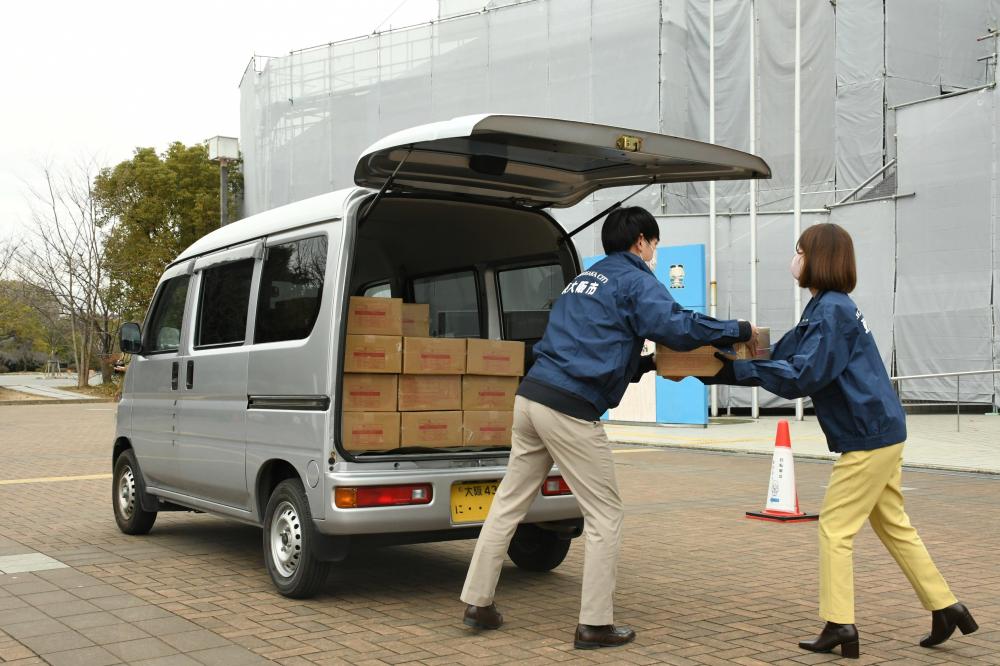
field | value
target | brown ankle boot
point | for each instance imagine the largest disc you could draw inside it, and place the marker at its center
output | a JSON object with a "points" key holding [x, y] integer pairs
{"points": [[833, 634]]}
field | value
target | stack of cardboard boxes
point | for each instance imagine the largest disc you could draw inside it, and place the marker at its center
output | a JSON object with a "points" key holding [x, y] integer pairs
{"points": [[403, 388]]}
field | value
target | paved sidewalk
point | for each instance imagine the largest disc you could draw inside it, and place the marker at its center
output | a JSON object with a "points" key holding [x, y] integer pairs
{"points": [[48, 393], [932, 441], [701, 584]]}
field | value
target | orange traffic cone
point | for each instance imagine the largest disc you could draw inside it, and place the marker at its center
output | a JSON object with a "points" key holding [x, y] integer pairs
{"points": [[782, 504]]}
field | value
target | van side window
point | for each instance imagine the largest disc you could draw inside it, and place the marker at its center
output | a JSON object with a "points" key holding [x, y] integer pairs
{"points": [[164, 331], [223, 304], [526, 297], [454, 304], [291, 290]]}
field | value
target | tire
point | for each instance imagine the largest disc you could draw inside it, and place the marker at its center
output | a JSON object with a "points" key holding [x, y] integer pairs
{"points": [[535, 549], [126, 486], [289, 543]]}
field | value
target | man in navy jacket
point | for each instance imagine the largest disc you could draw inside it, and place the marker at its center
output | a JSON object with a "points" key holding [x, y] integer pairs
{"points": [[591, 350]]}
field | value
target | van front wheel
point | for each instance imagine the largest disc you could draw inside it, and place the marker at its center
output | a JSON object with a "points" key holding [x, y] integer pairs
{"points": [[289, 542], [535, 549], [125, 496]]}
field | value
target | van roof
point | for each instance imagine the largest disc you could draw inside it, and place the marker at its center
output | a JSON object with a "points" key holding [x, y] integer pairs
{"points": [[320, 208]]}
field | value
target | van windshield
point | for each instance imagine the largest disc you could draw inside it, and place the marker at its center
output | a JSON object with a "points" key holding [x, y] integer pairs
{"points": [[526, 298], [454, 304]]}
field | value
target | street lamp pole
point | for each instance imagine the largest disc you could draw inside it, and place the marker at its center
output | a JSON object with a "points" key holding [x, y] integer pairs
{"points": [[223, 149]]}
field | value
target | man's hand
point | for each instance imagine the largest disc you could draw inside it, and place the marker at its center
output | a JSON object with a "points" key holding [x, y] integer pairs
{"points": [[752, 343]]}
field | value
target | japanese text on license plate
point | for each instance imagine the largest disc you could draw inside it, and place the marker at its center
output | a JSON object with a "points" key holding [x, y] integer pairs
{"points": [[470, 501]]}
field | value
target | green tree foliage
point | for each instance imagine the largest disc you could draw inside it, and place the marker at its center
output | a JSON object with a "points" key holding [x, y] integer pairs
{"points": [[157, 205], [31, 327]]}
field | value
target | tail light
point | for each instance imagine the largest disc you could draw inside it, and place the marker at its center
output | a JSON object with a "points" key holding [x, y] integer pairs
{"points": [[555, 485], [357, 497]]}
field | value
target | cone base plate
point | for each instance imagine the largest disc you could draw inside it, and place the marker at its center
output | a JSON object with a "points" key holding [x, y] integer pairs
{"points": [[778, 518]]}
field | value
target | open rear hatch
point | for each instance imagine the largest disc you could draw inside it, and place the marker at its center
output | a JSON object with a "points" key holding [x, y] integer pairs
{"points": [[473, 185], [541, 161]]}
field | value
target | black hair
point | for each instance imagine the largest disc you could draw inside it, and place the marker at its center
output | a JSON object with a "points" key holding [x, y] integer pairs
{"points": [[624, 226]]}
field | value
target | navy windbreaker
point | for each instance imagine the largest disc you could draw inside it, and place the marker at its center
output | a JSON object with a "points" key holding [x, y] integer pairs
{"points": [[831, 357], [596, 330]]}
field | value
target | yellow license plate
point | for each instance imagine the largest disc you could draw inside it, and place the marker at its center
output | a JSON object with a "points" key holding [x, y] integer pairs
{"points": [[471, 500]]}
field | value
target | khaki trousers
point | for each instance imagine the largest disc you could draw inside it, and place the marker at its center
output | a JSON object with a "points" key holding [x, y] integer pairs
{"points": [[865, 485], [581, 449]]}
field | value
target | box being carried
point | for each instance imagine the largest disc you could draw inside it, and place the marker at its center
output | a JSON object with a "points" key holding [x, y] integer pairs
{"points": [[375, 316], [701, 362], [431, 429], [370, 392], [495, 357], [416, 320], [487, 428], [488, 393], [370, 431], [430, 393], [373, 353], [434, 356]]}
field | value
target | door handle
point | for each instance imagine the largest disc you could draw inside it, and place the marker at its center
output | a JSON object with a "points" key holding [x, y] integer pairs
{"points": [[190, 374], [173, 376]]}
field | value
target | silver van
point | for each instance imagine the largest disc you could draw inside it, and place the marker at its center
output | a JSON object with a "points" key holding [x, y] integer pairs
{"points": [[231, 403]]}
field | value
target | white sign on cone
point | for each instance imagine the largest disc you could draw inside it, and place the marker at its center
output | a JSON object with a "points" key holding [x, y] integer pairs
{"points": [[781, 495], [782, 503]]}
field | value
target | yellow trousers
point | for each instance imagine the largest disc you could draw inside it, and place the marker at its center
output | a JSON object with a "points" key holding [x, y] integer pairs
{"points": [[866, 485]]}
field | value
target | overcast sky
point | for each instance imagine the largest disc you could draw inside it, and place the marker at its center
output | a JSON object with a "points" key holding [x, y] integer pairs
{"points": [[98, 79]]}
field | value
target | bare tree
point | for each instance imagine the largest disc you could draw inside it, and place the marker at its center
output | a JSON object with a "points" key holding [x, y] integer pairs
{"points": [[7, 251], [65, 258]]}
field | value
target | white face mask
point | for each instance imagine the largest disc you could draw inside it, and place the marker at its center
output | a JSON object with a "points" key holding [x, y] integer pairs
{"points": [[796, 267]]}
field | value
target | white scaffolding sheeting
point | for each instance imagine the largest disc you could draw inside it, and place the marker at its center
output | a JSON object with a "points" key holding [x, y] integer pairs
{"points": [[946, 288], [306, 117]]}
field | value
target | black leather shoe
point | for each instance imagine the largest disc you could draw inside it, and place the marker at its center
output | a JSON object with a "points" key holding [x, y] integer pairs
{"points": [[483, 617], [833, 634], [944, 621], [589, 636]]}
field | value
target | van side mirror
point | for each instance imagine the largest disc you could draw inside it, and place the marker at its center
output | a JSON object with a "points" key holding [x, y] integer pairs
{"points": [[130, 338]]}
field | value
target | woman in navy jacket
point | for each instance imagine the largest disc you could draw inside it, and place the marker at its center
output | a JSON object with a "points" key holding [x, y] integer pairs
{"points": [[831, 357]]}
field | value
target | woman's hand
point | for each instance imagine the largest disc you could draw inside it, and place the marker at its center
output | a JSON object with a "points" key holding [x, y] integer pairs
{"points": [[725, 375]]}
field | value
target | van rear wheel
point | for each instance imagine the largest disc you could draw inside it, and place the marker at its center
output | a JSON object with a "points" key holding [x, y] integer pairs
{"points": [[125, 496], [535, 549], [290, 542]]}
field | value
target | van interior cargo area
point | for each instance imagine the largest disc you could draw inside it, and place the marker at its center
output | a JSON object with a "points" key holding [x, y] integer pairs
{"points": [[446, 252], [407, 237]]}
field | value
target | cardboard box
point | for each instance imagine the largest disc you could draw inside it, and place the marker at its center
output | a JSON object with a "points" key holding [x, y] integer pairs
{"points": [[370, 431], [417, 320], [373, 353], [374, 316], [701, 362], [431, 429], [488, 393], [433, 356], [487, 428], [370, 392], [495, 357], [430, 393]]}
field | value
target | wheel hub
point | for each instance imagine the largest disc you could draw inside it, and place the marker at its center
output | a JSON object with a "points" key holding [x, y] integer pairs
{"points": [[286, 539], [126, 493]]}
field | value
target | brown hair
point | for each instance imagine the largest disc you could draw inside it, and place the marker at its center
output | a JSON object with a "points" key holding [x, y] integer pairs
{"points": [[829, 259]]}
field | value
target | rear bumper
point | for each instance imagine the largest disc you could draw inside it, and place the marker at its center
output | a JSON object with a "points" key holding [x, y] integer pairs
{"points": [[434, 517]]}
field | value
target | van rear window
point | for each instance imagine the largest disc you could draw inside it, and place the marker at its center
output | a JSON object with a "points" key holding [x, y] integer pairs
{"points": [[291, 290]]}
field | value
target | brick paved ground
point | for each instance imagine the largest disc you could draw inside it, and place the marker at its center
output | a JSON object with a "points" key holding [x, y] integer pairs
{"points": [[701, 584]]}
